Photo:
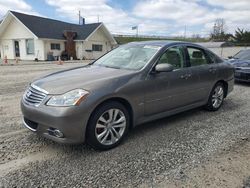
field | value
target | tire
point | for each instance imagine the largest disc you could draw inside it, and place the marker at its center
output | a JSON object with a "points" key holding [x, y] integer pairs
{"points": [[108, 125], [216, 97]]}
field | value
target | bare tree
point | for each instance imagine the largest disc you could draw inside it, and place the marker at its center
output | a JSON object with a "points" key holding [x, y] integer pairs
{"points": [[196, 36], [219, 30]]}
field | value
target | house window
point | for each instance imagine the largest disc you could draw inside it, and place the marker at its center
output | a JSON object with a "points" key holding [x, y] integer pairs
{"points": [[96, 47], [6, 47], [30, 49], [55, 46]]}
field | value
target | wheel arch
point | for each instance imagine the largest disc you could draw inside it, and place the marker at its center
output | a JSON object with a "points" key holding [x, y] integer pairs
{"points": [[225, 84], [121, 100]]}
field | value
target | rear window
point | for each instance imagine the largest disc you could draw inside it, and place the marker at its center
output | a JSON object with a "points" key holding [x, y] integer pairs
{"points": [[197, 56], [214, 58]]}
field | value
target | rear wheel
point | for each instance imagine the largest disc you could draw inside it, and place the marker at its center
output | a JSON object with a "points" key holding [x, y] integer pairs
{"points": [[216, 97], [107, 126]]}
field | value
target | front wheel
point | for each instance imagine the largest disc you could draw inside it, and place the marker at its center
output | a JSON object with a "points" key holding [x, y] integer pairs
{"points": [[216, 97], [107, 126]]}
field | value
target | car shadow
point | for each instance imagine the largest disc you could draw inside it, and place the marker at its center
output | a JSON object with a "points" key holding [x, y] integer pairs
{"points": [[166, 121]]}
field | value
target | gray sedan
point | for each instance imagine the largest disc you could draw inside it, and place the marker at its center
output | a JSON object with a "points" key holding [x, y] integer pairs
{"points": [[133, 84]]}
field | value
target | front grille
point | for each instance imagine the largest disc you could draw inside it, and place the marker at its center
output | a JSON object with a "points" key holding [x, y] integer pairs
{"points": [[242, 75], [245, 76], [34, 95]]}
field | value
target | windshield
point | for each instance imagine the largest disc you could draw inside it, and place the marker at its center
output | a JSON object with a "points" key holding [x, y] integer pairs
{"points": [[244, 55], [128, 57]]}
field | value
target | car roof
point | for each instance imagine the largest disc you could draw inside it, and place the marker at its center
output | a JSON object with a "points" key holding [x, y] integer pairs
{"points": [[164, 43]]}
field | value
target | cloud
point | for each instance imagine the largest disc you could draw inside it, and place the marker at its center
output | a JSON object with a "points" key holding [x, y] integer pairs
{"points": [[232, 4], [117, 20], [196, 13], [17, 5], [180, 11], [154, 17]]}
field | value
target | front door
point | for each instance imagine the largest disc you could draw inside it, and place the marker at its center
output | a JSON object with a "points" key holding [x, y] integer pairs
{"points": [[169, 90], [17, 50]]}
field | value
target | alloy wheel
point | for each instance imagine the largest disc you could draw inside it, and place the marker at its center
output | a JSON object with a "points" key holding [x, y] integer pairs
{"points": [[218, 96], [110, 126]]}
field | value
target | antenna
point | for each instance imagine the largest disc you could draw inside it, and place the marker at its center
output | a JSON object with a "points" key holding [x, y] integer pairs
{"points": [[79, 14]]}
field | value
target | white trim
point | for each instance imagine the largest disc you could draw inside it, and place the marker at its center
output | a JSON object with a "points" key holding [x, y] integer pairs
{"points": [[52, 39], [9, 12], [16, 39], [102, 25], [93, 31], [79, 40], [6, 16], [114, 41]]}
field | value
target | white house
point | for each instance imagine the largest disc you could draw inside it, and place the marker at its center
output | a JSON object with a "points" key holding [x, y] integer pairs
{"points": [[29, 37]]}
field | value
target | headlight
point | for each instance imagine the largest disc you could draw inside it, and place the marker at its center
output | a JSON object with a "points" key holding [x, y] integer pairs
{"points": [[71, 98]]}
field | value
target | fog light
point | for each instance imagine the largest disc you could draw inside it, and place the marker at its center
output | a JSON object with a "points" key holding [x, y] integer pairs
{"points": [[55, 132], [58, 133]]}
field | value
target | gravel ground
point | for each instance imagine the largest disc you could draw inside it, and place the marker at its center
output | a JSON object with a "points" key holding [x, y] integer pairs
{"points": [[181, 150]]}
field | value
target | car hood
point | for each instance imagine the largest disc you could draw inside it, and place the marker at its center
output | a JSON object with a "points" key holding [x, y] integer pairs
{"points": [[87, 77], [240, 63]]}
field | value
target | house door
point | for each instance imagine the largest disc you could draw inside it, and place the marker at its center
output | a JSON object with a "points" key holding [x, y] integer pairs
{"points": [[17, 49]]}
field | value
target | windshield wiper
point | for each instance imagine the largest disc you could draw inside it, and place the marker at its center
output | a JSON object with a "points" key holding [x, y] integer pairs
{"points": [[107, 66]]}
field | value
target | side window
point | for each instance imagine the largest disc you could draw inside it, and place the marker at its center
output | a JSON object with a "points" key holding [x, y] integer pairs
{"points": [[197, 57], [173, 56], [214, 58]]}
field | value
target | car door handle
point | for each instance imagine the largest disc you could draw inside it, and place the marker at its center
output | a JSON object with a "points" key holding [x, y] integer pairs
{"points": [[212, 70], [186, 76]]}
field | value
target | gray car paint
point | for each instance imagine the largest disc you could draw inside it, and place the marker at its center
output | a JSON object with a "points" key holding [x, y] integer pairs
{"points": [[148, 95]]}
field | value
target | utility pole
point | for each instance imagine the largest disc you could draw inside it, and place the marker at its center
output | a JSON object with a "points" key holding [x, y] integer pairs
{"points": [[185, 32], [98, 18]]}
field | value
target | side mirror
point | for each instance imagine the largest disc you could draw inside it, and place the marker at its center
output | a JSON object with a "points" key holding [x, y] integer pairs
{"points": [[230, 57], [164, 67]]}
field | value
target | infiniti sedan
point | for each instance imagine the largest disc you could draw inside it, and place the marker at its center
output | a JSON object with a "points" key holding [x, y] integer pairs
{"points": [[133, 84], [241, 62]]}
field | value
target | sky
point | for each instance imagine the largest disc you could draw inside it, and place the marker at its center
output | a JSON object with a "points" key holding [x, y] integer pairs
{"points": [[153, 17]]}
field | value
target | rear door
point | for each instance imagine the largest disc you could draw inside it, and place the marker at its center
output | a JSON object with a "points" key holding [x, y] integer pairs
{"points": [[204, 69]]}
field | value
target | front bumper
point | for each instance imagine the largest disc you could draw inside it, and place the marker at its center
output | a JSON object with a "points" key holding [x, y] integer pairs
{"points": [[230, 85], [242, 75], [71, 121]]}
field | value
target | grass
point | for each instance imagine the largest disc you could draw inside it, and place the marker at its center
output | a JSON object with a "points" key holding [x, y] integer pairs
{"points": [[124, 40]]}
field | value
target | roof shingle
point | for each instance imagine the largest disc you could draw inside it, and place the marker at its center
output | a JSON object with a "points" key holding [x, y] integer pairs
{"points": [[53, 29]]}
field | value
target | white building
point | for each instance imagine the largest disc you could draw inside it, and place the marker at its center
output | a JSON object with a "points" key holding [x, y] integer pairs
{"points": [[29, 37]]}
